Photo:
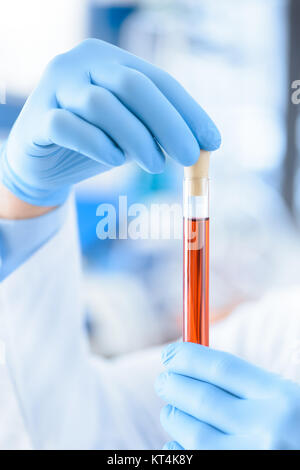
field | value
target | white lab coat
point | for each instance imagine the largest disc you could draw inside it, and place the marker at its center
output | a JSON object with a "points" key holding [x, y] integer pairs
{"points": [[68, 399]]}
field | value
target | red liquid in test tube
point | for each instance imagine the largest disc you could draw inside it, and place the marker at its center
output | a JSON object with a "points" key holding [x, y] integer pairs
{"points": [[196, 281]]}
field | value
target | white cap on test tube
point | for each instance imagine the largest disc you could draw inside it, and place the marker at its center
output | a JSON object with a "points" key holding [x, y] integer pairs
{"points": [[196, 184]]}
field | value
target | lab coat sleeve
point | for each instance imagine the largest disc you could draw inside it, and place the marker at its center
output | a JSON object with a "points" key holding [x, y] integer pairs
{"points": [[69, 399], [19, 239]]}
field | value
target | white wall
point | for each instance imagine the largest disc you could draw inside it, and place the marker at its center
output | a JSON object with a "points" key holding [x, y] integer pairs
{"points": [[31, 33]]}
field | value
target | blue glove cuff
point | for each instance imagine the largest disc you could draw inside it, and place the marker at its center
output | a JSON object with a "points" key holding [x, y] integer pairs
{"points": [[34, 196]]}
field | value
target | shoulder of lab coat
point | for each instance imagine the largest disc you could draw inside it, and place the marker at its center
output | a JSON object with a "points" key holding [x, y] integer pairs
{"points": [[68, 398]]}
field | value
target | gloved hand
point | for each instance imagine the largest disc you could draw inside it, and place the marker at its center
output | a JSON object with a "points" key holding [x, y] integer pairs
{"points": [[218, 401], [94, 107]]}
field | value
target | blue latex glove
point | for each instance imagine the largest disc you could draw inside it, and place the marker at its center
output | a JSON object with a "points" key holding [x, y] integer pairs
{"points": [[94, 107], [218, 401]]}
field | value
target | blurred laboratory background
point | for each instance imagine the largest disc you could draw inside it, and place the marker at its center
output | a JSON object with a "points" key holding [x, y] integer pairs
{"points": [[238, 59]]}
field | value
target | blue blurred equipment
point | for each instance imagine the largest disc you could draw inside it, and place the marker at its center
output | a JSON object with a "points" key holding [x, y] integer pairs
{"points": [[105, 21], [218, 401], [94, 107], [9, 113]]}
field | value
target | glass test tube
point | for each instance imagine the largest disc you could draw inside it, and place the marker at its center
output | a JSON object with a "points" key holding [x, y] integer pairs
{"points": [[196, 260]]}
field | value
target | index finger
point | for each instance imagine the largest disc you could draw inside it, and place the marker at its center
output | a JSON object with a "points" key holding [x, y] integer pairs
{"points": [[201, 125], [219, 368]]}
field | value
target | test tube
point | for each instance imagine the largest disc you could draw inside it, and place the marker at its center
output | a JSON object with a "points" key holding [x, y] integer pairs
{"points": [[196, 252]]}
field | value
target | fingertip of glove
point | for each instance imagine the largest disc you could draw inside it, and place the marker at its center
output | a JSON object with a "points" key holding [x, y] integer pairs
{"points": [[169, 352], [165, 413], [172, 445], [212, 139], [117, 158]]}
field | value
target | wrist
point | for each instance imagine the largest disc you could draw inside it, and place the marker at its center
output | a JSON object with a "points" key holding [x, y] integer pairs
{"points": [[33, 199], [11, 207]]}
